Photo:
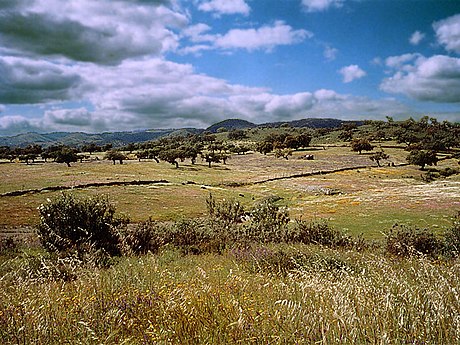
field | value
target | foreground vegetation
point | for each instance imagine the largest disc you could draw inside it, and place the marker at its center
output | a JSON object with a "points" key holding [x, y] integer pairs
{"points": [[283, 244], [328, 297], [237, 276]]}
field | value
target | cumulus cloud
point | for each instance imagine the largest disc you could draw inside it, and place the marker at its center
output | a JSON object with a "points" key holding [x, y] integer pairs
{"points": [[265, 37], [435, 79], [15, 124], [351, 73], [225, 7], [80, 117], [321, 5], [26, 80], [416, 38], [448, 33], [104, 31]]}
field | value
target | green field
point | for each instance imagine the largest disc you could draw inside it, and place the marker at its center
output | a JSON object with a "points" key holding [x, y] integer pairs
{"points": [[243, 293], [368, 200]]}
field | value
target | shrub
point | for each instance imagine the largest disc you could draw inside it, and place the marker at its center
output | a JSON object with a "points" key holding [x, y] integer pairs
{"points": [[319, 233], [452, 238], [407, 241], [68, 223], [227, 212], [148, 236], [268, 223]]}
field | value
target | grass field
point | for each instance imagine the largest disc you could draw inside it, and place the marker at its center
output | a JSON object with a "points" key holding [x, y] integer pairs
{"points": [[275, 293], [367, 200]]}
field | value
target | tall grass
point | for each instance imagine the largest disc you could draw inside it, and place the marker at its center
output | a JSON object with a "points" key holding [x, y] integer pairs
{"points": [[325, 296]]}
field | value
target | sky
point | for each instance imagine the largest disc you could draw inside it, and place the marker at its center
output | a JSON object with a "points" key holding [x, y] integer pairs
{"points": [[121, 65]]}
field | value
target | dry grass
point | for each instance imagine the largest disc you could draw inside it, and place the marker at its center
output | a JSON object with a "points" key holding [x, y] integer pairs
{"points": [[332, 298]]}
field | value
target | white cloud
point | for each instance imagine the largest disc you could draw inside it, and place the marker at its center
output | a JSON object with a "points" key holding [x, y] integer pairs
{"points": [[79, 117], [435, 79], [330, 53], [25, 80], [16, 124], [225, 7], [103, 31], [448, 33], [416, 38], [400, 60], [265, 37], [351, 73], [321, 5]]}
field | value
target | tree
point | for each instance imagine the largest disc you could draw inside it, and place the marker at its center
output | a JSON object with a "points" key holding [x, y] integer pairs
{"points": [[237, 134], [378, 156], [422, 158], [90, 148], [285, 153], [359, 145], [66, 155], [114, 155], [171, 156], [212, 157]]}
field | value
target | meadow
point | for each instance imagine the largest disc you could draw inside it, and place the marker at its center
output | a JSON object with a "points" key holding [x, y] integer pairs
{"points": [[250, 293]]}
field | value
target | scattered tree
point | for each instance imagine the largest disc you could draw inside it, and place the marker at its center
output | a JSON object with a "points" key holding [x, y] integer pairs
{"points": [[359, 145], [114, 156], [378, 156], [422, 158]]}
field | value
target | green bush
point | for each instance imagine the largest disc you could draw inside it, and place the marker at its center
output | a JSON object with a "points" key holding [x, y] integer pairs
{"points": [[407, 241], [452, 239], [268, 223], [319, 233], [71, 224], [227, 212], [148, 236]]}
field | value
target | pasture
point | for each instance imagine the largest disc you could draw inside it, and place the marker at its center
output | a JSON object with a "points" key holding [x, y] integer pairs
{"points": [[367, 200], [245, 293]]}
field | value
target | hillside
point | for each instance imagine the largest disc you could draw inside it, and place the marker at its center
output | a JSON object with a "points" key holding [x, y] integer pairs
{"points": [[80, 138], [124, 138], [231, 124]]}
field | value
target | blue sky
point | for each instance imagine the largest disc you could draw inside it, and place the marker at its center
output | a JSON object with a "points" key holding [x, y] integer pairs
{"points": [[112, 65]]}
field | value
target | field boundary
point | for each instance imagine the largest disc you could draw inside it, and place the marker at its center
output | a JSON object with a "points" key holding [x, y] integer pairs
{"points": [[305, 174], [82, 186]]}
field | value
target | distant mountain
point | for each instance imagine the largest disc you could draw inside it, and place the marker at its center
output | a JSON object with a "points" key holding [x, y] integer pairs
{"points": [[231, 124], [124, 138], [79, 138], [312, 123]]}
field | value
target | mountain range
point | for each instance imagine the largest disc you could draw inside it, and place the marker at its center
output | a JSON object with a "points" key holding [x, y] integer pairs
{"points": [[124, 138]]}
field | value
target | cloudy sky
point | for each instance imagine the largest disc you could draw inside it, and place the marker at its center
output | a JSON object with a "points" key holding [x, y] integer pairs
{"points": [[112, 65]]}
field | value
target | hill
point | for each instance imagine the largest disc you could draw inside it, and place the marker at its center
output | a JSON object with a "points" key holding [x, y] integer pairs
{"points": [[80, 138], [231, 124], [312, 123]]}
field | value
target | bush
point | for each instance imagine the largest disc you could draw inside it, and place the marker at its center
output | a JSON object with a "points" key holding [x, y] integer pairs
{"points": [[319, 233], [407, 241], [148, 236], [452, 239], [227, 212], [68, 223], [268, 223]]}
